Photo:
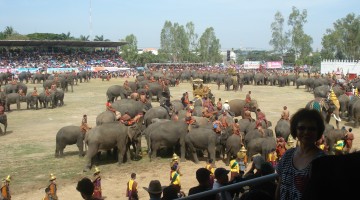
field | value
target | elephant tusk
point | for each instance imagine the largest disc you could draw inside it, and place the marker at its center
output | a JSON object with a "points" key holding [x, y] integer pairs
{"points": [[337, 118]]}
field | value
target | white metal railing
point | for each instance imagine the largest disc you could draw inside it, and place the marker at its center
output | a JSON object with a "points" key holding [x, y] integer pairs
{"points": [[253, 181]]}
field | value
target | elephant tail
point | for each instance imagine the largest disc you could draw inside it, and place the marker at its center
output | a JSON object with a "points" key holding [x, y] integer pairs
{"points": [[149, 147]]}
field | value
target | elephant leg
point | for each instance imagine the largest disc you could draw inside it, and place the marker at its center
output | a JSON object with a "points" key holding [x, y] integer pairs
{"points": [[57, 150], [121, 153], [80, 145], [91, 152], [193, 152]]}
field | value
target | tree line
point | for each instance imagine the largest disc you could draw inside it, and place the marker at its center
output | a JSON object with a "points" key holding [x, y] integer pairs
{"points": [[179, 43]]}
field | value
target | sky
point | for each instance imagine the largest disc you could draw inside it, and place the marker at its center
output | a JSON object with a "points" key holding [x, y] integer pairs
{"points": [[237, 23]]}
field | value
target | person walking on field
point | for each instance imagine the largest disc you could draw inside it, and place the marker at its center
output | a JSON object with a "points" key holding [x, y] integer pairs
{"points": [[97, 184], [131, 188]]}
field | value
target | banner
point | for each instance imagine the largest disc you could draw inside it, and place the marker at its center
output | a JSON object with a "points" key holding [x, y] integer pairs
{"points": [[274, 65], [251, 64]]}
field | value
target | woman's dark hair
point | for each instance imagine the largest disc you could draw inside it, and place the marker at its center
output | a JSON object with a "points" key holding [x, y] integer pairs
{"points": [[305, 114], [85, 186]]}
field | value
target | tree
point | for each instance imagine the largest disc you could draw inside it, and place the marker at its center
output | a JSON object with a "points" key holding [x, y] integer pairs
{"points": [[166, 40], [67, 36], [129, 52], [343, 41], [84, 38], [209, 47], [280, 40], [300, 42], [9, 31], [100, 38]]}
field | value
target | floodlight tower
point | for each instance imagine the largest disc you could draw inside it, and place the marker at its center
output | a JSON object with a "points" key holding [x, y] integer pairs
{"points": [[90, 23]]}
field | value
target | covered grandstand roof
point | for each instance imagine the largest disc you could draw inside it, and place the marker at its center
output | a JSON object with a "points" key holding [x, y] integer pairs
{"points": [[58, 43]]}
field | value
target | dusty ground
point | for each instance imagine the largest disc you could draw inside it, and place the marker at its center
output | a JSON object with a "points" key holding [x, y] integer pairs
{"points": [[27, 151]]}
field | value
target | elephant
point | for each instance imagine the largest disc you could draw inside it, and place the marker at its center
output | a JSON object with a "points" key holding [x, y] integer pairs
{"points": [[321, 91], [351, 104], [177, 105], [326, 108], [203, 139], [69, 135], [233, 145], [300, 81], [253, 134], [245, 124], [131, 106], [282, 129], [49, 83], [39, 77], [105, 117], [354, 114], [155, 112], [12, 98], [291, 78], [344, 104], [114, 91], [156, 90], [3, 120], [45, 101], [84, 75], [332, 136], [273, 79], [170, 134], [282, 81], [4, 77], [237, 106], [261, 145], [259, 79], [57, 97], [32, 101], [24, 76], [112, 135], [230, 81]]}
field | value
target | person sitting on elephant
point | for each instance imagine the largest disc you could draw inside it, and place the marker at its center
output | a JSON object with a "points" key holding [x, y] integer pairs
{"points": [[185, 99], [53, 87], [47, 92], [168, 106], [143, 97], [247, 115], [2, 109], [135, 119], [21, 92], [236, 127], [280, 147], [126, 85], [13, 82], [109, 106], [217, 125], [219, 105], [152, 79], [175, 116], [248, 98], [206, 113], [190, 106], [35, 93], [285, 115], [261, 116], [84, 126], [134, 96], [125, 118], [258, 126], [224, 122], [189, 119]]}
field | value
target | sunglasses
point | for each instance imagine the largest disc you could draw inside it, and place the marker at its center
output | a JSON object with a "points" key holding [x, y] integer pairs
{"points": [[303, 128]]}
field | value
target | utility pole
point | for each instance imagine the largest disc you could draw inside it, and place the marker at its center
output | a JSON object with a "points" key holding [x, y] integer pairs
{"points": [[90, 23]]}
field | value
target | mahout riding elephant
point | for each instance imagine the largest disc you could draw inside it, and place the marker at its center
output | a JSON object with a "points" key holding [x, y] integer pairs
{"points": [[282, 81], [32, 101], [244, 124], [291, 78], [11, 88], [39, 77], [105, 117], [49, 83], [177, 105], [114, 91], [131, 106], [12, 98], [229, 81], [3, 120], [69, 135], [326, 108], [156, 90], [273, 79], [237, 106], [261, 145], [44, 100], [282, 129], [170, 134], [112, 135], [201, 139], [257, 134], [155, 112]]}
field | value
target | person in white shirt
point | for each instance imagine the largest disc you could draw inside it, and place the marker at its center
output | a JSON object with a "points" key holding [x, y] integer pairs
{"points": [[222, 179], [226, 106]]}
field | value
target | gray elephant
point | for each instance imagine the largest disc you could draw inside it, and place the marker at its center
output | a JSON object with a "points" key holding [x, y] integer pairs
{"points": [[282, 81], [57, 97], [112, 135], [84, 75], [253, 134], [202, 139], [245, 124], [177, 105], [4, 77], [39, 77], [32, 101], [12, 98], [259, 79], [344, 104], [291, 78], [156, 90], [155, 112], [233, 145], [105, 117], [230, 81], [69, 135], [131, 106], [282, 129], [115, 91], [354, 110], [332, 136], [3, 121], [351, 104], [237, 106], [272, 79], [44, 100], [300, 82], [170, 134], [321, 91], [262, 145]]}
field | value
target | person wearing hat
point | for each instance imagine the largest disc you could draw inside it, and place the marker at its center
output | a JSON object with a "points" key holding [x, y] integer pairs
{"points": [[174, 164], [211, 167], [222, 179], [226, 106], [131, 189], [97, 184], [175, 174], [234, 167], [203, 177], [5, 188], [255, 170], [52, 186], [155, 190], [242, 160], [84, 126]]}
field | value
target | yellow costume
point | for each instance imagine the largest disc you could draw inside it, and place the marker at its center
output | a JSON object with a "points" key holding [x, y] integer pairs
{"points": [[334, 99]]}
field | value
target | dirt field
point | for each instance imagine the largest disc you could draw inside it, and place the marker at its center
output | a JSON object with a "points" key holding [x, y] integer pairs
{"points": [[27, 150]]}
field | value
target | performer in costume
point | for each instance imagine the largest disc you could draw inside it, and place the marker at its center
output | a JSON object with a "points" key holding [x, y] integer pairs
{"points": [[234, 168], [131, 189], [5, 188], [97, 184], [242, 160], [52, 186]]}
